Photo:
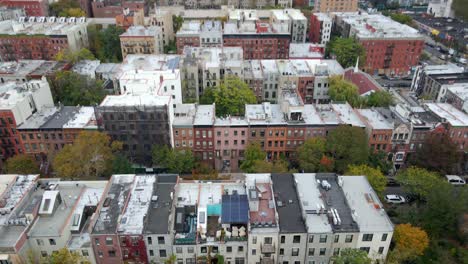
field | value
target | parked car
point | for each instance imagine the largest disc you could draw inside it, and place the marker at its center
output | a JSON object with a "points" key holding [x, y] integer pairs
{"points": [[394, 199], [455, 180], [392, 182]]}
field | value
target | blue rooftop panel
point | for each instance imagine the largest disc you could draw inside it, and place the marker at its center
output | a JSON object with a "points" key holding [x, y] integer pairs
{"points": [[235, 209]]}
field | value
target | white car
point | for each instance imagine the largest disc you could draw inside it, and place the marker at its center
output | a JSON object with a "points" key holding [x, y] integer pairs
{"points": [[455, 180], [395, 199]]}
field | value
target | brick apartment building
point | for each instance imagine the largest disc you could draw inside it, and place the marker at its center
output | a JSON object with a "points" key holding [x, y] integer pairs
{"points": [[31, 7], [320, 27], [130, 18], [325, 6], [142, 40], [203, 144], [378, 130], [113, 8], [199, 34], [41, 38], [391, 48]]}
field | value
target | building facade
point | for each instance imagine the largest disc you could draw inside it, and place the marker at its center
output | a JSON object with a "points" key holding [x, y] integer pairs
{"points": [[31, 7], [142, 40], [325, 6], [320, 28]]}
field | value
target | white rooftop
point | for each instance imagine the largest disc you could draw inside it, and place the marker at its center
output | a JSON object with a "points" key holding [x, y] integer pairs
{"points": [[90, 197], [205, 115], [14, 193], [323, 17], [132, 220], [141, 31], [11, 92], [306, 51], [84, 118], [460, 90], [347, 115], [192, 27], [136, 100], [448, 68], [448, 112], [5, 181], [375, 119], [86, 67], [41, 25], [150, 63], [187, 194]]}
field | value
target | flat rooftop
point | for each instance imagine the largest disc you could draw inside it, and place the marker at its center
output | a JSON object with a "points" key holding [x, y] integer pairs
{"points": [[205, 115], [375, 119], [86, 67], [113, 204], [5, 181], [448, 112], [158, 217], [443, 69], [459, 90], [41, 26], [141, 31], [60, 117], [259, 191], [149, 63], [347, 115], [11, 92], [184, 115], [136, 100], [306, 51], [13, 193], [287, 204], [19, 68]]}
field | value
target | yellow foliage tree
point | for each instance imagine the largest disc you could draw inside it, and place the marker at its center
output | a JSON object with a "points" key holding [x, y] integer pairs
{"points": [[410, 241]]}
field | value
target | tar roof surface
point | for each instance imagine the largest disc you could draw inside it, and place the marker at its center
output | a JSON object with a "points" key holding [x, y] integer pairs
{"points": [[290, 217], [160, 210]]}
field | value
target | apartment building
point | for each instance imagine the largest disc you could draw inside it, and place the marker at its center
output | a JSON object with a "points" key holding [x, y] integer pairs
{"points": [[37, 8], [325, 6], [204, 134], [182, 127], [41, 38], [457, 95], [320, 28], [391, 48], [7, 13], [163, 19], [378, 130], [24, 70], [130, 18], [142, 40], [433, 81], [113, 8], [230, 136], [18, 102], [296, 21], [199, 34]]}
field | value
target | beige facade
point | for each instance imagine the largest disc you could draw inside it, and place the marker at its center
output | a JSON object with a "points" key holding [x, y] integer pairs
{"points": [[163, 19], [336, 6], [142, 40]]}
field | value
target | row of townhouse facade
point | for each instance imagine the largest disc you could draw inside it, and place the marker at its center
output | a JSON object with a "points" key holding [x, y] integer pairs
{"points": [[264, 218]]}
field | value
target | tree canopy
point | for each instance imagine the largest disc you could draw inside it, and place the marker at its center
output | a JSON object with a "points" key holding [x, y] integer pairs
{"points": [[253, 153], [105, 43], [352, 256], [379, 99], [89, 157], [402, 18], [230, 97], [73, 57], [347, 146], [71, 88], [312, 155], [174, 160], [346, 50], [21, 164], [342, 90], [459, 6], [66, 8], [419, 181], [121, 165], [276, 166], [377, 180], [447, 155], [410, 239], [64, 256]]}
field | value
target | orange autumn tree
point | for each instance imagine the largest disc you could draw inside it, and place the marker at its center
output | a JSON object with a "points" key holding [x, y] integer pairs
{"points": [[410, 241]]}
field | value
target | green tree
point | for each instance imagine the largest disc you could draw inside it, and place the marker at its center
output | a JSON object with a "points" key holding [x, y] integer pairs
{"points": [[459, 6], [402, 18], [121, 165], [379, 99], [109, 42], [342, 90], [263, 166], [347, 146], [71, 88], [310, 154], [175, 160], [346, 50], [170, 48], [447, 154], [352, 256], [21, 164], [230, 97], [73, 57], [172, 259], [66, 8], [94, 40], [89, 157], [380, 160], [252, 153], [419, 181], [375, 177], [177, 22], [63, 256]]}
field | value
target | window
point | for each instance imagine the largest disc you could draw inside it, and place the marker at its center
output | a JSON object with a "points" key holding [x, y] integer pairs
{"points": [[367, 237], [151, 253], [337, 238], [311, 239], [281, 252], [161, 240], [323, 251], [254, 252], [311, 252], [190, 250], [162, 253], [150, 241], [239, 261], [229, 249], [179, 250], [381, 249], [44, 254], [254, 240], [40, 242], [296, 239], [349, 238], [109, 241], [366, 249], [295, 252], [96, 241], [384, 237], [203, 250], [52, 242], [100, 254], [283, 238], [268, 240], [111, 253], [240, 249], [85, 253], [323, 239], [336, 251]]}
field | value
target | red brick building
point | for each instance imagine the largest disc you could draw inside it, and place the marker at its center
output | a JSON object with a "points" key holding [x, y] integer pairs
{"points": [[378, 130], [320, 26], [182, 41], [113, 8], [203, 128], [31, 7]]}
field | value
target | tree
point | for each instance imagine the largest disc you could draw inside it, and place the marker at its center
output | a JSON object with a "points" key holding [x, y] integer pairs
{"points": [[402, 18], [121, 165], [108, 44], [172, 259], [310, 154], [71, 88], [66, 8], [21, 164], [74, 57], [342, 90], [347, 146], [380, 160], [175, 160], [177, 22], [352, 256], [419, 181], [459, 6], [230, 97], [90, 156], [263, 166], [252, 153], [410, 241], [379, 99], [447, 155], [346, 50], [375, 177], [63, 256]]}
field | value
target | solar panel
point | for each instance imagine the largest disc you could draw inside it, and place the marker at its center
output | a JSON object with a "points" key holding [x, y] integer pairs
{"points": [[235, 209]]}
